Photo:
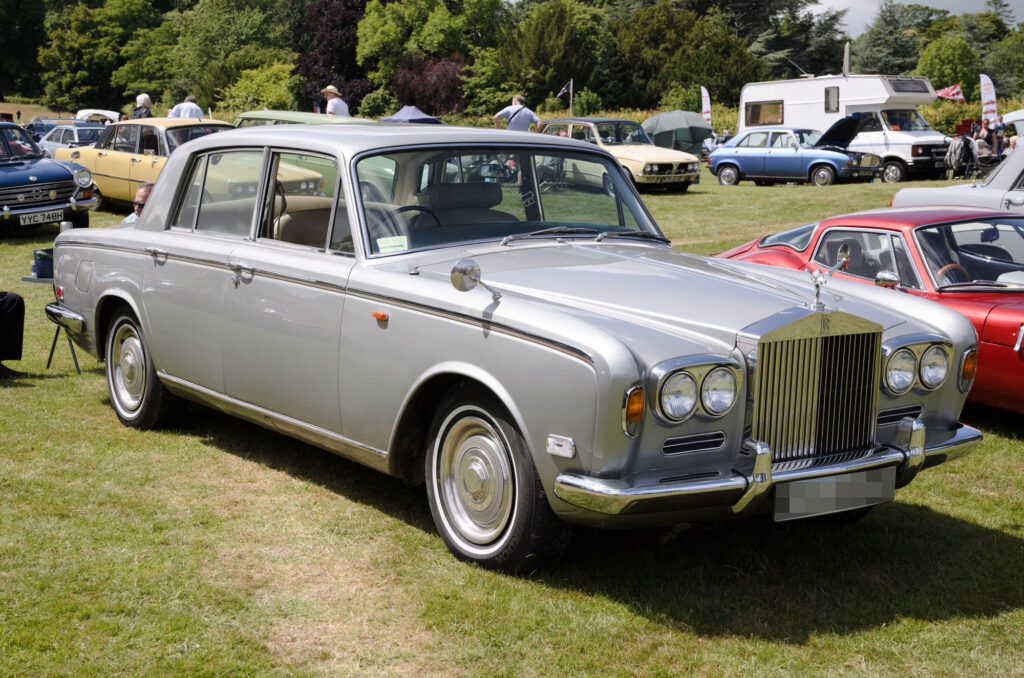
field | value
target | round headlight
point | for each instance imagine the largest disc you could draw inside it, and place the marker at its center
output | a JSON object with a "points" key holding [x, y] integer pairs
{"points": [[678, 396], [900, 370], [83, 177], [934, 367], [718, 392]]}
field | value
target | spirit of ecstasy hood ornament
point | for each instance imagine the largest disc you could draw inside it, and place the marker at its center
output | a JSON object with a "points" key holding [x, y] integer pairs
{"points": [[820, 279]]}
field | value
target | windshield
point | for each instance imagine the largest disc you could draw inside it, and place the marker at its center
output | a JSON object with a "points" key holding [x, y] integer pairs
{"points": [[433, 197], [176, 136], [16, 143], [989, 252], [797, 238], [904, 120], [807, 137], [622, 132]]}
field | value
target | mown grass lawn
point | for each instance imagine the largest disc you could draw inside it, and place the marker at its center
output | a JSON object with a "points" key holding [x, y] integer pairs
{"points": [[219, 548]]}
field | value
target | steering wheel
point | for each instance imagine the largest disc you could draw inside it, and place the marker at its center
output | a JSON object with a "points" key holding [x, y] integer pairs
{"points": [[941, 273], [391, 225], [419, 208]]}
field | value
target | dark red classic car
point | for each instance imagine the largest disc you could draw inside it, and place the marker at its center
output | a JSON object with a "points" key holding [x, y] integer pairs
{"points": [[968, 259]]}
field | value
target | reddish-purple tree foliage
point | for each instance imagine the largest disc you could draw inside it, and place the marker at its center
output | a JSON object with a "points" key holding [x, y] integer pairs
{"points": [[434, 85], [331, 57]]}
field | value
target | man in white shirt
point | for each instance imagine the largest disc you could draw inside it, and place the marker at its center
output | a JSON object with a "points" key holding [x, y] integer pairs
{"points": [[519, 117], [186, 109], [335, 104]]}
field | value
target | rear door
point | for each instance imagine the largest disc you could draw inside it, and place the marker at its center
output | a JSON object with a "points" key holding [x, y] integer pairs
{"points": [[146, 163]]}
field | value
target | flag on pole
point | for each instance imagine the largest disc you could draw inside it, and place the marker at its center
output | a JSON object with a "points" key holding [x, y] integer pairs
{"points": [[988, 99], [705, 104], [565, 88], [952, 93]]}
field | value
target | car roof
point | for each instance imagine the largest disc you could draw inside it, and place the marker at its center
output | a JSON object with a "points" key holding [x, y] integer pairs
{"points": [[172, 122], [356, 138], [777, 129], [300, 117], [894, 217], [590, 120]]}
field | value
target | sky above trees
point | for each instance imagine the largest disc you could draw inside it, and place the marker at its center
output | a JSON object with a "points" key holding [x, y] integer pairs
{"points": [[859, 13]]}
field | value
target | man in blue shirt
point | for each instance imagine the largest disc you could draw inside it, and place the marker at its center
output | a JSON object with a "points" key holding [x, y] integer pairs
{"points": [[519, 117]]}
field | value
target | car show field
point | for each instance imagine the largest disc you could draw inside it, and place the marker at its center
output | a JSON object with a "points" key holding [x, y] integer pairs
{"points": [[217, 547]]}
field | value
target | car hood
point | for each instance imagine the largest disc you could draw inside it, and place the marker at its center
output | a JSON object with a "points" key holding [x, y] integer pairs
{"points": [[843, 131], [619, 286], [649, 153], [43, 170]]}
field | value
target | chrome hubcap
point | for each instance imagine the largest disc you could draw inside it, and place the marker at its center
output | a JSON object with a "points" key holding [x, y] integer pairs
{"points": [[475, 480], [129, 374]]}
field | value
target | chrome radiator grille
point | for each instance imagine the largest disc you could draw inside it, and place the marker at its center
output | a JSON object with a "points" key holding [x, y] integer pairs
{"points": [[816, 397], [29, 194]]}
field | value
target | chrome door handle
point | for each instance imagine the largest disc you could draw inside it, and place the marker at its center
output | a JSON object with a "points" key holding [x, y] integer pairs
{"points": [[1015, 203], [156, 252], [238, 270]]}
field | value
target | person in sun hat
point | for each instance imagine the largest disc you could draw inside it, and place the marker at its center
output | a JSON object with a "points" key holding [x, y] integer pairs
{"points": [[335, 104]]}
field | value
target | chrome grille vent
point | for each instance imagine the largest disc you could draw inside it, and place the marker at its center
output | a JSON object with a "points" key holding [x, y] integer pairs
{"points": [[699, 442], [816, 396], [32, 194], [893, 416]]}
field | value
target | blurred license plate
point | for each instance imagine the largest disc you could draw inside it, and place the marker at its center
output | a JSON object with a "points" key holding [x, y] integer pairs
{"points": [[42, 217], [831, 494]]}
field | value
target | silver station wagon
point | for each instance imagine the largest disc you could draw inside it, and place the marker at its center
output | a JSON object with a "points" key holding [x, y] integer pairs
{"points": [[458, 308]]}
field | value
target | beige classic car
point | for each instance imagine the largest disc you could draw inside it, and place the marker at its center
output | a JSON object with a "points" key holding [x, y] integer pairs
{"points": [[648, 165], [133, 152]]}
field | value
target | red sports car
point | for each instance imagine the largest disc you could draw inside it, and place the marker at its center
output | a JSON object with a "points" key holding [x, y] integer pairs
{"points": [[969, 259]]}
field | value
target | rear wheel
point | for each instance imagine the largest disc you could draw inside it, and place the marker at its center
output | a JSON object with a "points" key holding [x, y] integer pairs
{"points": [[136, 393], [728, 175], [485, 495], [823, 175], [893, 171]]}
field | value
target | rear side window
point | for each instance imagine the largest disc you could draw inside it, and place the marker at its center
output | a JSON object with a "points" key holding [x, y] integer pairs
{"points": [[220, 196], [754, 140]]}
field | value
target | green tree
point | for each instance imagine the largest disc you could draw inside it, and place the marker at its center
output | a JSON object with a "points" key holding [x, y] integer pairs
{"points": [[22, 22], [1005, 65], [892, 43], [802, 42], [950, 60], [271, 86], [149, 62]]}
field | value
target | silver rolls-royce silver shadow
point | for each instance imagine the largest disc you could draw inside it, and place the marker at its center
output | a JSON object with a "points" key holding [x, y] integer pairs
{"points": [[496, 315]]}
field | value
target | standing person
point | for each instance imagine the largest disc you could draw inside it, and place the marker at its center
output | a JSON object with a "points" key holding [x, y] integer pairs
{"points": [[335, 104], [519, 117], [142, 105], [186, 109], [12, 328], [988, 135]]}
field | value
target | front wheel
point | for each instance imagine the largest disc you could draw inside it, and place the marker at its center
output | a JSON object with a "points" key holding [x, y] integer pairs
{"points": [[893, 171], [136, 393], [823, 175], [728, 175], [485, 495]]}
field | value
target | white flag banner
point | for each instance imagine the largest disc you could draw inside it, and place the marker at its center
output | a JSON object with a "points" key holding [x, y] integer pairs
{"points": [[988, 98], [705, 104]]}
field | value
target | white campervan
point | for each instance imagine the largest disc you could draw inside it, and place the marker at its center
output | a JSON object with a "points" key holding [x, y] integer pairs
{"points": [[897, 134]]}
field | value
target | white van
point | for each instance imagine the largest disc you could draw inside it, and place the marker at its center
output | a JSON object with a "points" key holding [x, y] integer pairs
{"points": [[898, 134]]}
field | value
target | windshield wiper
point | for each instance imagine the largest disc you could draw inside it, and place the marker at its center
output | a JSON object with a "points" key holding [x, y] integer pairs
{"points": [[554, 230], [633, 234], [975, 283]]}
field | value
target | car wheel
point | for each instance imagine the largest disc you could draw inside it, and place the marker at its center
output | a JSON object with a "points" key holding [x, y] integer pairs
{"points": [[823, 175], [893, 171], [728, 175], [136, 393], [485, 495], [609, 186]]}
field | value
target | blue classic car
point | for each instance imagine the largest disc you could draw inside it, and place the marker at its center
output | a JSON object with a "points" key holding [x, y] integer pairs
{"points": [[769, 155], [37, 190]]}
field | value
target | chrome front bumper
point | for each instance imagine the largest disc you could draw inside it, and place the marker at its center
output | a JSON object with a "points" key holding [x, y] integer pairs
{"points": [[743, 493], [667, 178], [73, 205], [73, 322]]}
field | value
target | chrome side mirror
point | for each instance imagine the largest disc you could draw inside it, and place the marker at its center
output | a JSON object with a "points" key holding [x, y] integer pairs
{"points": [[887, 279], [843, 258], [466, 275]]}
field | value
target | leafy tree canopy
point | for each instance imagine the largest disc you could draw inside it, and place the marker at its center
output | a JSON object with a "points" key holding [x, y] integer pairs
{"points": [[950, 60]]}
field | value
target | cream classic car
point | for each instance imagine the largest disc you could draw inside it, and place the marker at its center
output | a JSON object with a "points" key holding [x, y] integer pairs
{"points": [[536, 354], [649, 166], [133, 152]]}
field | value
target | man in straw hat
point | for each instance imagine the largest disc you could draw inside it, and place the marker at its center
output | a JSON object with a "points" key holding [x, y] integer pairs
{"points": [[335, 104]]}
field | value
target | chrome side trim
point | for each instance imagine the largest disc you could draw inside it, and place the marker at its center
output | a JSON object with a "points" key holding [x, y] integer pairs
{"points": [[477, 322], [314, 435], [66, 318]]}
